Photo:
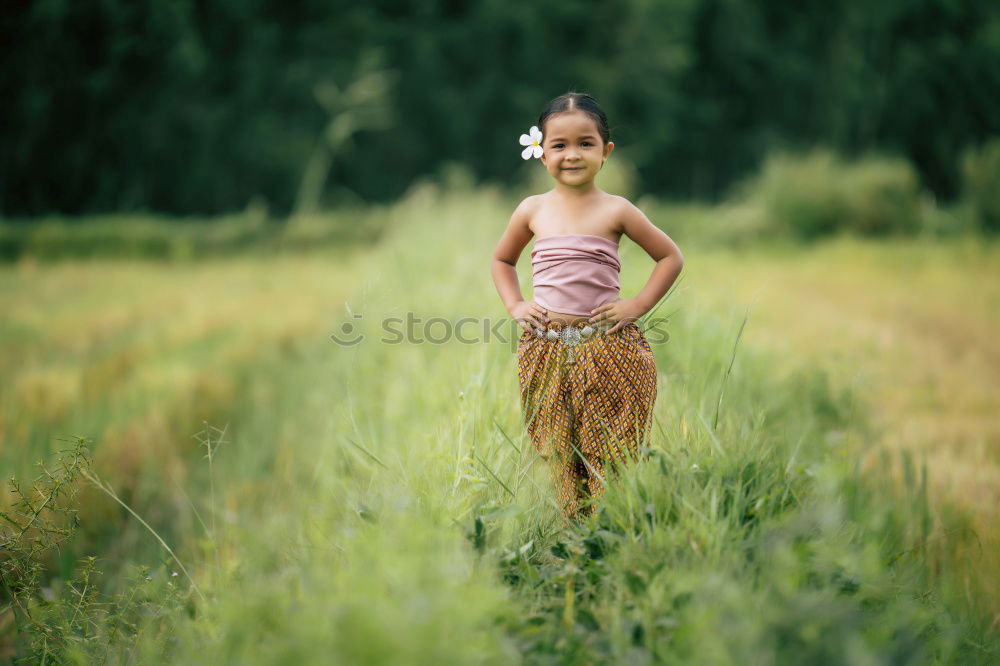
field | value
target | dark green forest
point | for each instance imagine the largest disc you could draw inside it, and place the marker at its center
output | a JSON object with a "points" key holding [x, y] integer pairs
{"points": [[201, 106]]}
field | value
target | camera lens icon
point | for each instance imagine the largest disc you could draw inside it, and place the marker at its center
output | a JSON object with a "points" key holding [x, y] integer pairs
{"points": [[348, 335]]}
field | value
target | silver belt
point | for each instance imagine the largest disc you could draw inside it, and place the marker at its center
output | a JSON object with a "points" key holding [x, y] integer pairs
{"points": [[570, 336]]}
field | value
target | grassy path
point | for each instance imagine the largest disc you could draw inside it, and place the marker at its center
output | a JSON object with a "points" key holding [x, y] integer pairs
{"points": [[381, 503]]}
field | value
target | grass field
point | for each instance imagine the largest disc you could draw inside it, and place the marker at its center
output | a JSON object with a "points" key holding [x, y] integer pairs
{"points": [[380, 503], [908, 325]]}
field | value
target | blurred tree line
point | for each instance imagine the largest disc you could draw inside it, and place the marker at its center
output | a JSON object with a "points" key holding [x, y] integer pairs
{"points": [[198, 106]]}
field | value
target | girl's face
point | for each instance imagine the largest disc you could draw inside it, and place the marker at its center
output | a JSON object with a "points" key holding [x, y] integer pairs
{"points": [[573, 148]]}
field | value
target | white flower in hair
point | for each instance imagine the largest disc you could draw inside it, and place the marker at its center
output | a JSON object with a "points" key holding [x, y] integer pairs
{"points": [[533, 141]]}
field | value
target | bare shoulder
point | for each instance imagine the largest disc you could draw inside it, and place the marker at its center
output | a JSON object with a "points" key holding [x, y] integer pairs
{"points": [[518, 232], [527, 209], [530, 204], [636, 225], [626, 215]]}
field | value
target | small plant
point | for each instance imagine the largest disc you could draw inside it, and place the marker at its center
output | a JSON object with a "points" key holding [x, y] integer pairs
{"points": [[38, 521], [73, 621]]}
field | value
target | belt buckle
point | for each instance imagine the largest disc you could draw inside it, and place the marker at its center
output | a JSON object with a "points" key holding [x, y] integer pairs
{"points": [[570, 336]]}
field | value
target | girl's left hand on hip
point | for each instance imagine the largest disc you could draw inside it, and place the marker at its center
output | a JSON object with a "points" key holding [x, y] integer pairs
{"points": [[621, 312]]}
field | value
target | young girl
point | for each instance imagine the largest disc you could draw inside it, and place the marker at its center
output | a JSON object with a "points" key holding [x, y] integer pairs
{"points": [[586, 372]]}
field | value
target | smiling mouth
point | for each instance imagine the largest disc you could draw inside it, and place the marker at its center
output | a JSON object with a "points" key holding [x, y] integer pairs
{"points": [[573, 169]]}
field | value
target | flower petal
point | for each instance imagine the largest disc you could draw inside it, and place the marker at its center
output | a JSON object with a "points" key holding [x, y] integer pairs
{"points": [[526, 153], [537, 150], [535, 133], [525, 140]]}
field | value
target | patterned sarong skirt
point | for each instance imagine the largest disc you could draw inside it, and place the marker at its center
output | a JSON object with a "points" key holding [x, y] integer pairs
{"points": [[587, 402]]}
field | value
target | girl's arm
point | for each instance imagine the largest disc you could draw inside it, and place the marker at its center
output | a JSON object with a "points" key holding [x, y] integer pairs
{"points": [[669, 262], [505, 256], [661, 249]]}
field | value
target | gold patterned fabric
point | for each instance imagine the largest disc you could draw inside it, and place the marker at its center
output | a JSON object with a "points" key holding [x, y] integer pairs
{"points": [[587, 406]]}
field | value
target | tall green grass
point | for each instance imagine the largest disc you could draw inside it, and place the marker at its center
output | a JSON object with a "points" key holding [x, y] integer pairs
{"points": [[404, 517]]}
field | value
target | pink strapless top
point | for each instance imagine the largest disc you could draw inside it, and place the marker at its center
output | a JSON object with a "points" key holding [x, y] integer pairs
{"points": [[575, 273]]}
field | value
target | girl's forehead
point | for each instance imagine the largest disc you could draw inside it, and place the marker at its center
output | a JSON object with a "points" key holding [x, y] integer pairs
{"points": [[571, 123]]}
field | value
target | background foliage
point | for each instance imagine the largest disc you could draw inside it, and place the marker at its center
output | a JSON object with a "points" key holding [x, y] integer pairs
{"points": [[199, 107]]}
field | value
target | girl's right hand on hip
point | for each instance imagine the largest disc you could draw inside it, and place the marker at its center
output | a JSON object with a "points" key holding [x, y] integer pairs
{"points": [[528, 314]]}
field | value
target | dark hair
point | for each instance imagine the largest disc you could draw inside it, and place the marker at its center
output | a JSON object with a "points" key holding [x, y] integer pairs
{"points": [[573, 101]]}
